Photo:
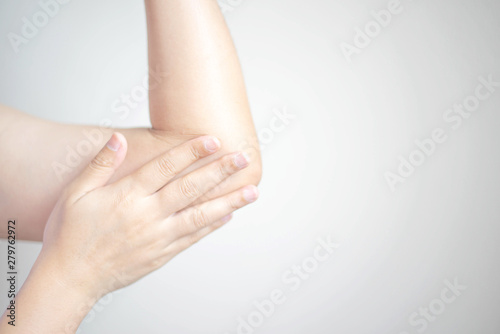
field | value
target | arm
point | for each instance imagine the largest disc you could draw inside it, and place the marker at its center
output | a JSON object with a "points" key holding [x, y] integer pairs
{"points": [[203, 93], [40, 158], [202, 90], [96, 242]]}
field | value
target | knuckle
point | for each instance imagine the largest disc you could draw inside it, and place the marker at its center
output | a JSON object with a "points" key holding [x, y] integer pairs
{"points": [[225, 167], [165, 167], [193, 151], [233, 203], [199, 218], [221, 170], [188, 188], [100, 164]]}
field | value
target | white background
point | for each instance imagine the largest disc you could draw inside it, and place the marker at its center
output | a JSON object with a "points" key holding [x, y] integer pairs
{"points": [[323, 172]]}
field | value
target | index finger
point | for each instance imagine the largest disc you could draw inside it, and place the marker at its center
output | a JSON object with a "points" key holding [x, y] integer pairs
{"points": [[155, 174]]}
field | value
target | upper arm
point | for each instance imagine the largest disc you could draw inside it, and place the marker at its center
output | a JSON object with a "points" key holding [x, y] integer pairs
{"points": [[198, 87]]}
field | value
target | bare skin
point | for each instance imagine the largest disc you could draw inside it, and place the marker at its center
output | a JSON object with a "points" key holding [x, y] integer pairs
{"points": [[201, 92], [181, 185], [103, 236]]}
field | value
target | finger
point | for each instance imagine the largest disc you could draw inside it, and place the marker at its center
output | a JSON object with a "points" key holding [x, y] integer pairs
{"points": [[201, 216], [182, 192], [159, 171], [181, 244], [103, 166]]}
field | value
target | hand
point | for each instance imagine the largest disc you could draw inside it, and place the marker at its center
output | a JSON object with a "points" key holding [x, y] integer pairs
{"points": [[101, 237]]}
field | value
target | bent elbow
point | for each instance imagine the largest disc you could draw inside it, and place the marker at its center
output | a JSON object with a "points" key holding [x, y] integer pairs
{"points": [[254, 173]]}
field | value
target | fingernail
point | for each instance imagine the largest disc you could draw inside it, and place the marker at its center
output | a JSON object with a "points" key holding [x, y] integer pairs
{"points": [[241, 160], [227, 218], [250, 194], [212, 144], [113, 143]]}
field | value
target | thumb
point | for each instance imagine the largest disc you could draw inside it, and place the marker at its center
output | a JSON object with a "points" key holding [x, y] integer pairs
{"points": [[103, 166]]}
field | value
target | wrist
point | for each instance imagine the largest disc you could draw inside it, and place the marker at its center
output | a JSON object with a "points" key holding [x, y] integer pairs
{"points": [[71, 278], [48, 302]]}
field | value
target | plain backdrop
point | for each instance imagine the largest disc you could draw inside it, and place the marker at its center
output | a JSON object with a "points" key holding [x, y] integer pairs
{"points": [[324, 171]]}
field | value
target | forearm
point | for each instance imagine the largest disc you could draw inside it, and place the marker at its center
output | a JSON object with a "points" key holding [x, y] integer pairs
{"points": [[202, 89], [203, 93], [41, 158], [83, 259], [47, 304]]}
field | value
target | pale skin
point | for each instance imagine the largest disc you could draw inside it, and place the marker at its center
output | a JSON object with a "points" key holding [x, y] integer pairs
{"points": [[202, 92], [104, 236]]}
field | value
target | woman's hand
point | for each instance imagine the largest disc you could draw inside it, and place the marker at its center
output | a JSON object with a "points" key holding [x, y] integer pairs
{"points": [[37, 184], [101, 237], [134, 226]]}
